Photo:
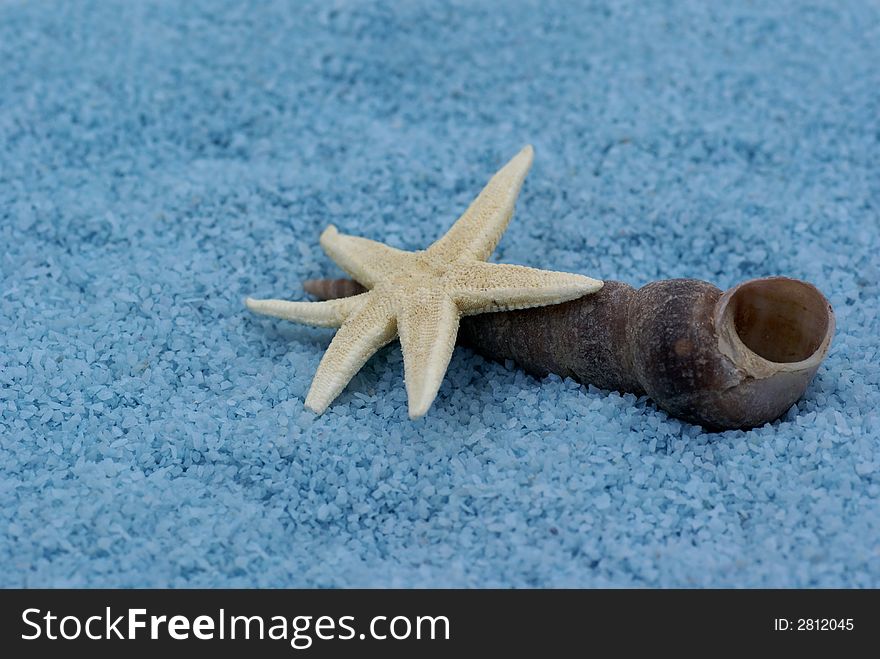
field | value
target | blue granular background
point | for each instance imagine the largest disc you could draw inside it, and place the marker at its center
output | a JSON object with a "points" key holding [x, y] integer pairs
{"points": [[159, 161]]}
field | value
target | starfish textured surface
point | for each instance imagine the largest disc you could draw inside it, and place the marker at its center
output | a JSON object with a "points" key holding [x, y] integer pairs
{"points": [[420, 296]]}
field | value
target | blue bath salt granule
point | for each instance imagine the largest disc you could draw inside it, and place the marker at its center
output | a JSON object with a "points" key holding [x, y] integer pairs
{"points": [[161, 161]]}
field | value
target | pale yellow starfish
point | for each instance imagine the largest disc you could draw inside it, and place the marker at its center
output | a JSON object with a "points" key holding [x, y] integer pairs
{"points": [[420, 296]]}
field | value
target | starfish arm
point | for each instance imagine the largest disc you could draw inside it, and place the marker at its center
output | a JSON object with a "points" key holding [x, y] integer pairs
{"points": [[366, 261], [365, 331], [476, 233], [480, 287], [331, 313], [427, 325]]}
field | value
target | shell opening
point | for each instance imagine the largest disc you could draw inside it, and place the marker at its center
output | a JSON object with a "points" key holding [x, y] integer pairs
{"points": [[782, 320]]}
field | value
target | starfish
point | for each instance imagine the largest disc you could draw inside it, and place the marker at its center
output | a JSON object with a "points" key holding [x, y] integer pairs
{"points": [[420, 296]]}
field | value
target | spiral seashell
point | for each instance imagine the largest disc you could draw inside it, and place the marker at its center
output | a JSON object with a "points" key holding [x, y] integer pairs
{"points": [[734, 359], [332, 289]]}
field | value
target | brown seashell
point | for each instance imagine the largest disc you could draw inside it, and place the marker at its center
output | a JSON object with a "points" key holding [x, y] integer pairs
{"points": [[734, 359], [332, 289]]}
